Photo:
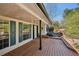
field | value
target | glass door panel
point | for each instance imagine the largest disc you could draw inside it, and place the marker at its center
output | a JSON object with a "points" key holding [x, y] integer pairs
{"points": [[12, 33], [20, 32], [4, 34], [26, 31]]}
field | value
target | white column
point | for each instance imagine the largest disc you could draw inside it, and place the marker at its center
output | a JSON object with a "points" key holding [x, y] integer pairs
{"points": [[17, 32], [32, 31], [45, 28]]}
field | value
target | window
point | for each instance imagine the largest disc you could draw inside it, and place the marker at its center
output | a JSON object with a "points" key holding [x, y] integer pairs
{"points": [[4, 34], [24, 31]]}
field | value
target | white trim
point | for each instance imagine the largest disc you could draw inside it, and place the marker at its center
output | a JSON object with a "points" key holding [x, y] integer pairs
{"points": [[35, 31], [31, 31], [17, 32], [45, 28], [8, 18], [9, 33]]}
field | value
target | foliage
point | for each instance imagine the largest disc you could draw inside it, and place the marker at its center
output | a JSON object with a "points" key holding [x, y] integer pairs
{"points": [[72, 22], [57, 25], [76, 45]]}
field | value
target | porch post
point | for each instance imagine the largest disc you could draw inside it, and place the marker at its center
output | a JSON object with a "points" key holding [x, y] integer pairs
{"points": [[40, 41]]}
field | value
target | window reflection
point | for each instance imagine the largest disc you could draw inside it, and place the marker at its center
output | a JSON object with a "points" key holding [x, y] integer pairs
{"points": [[4, 34], [12, 33], [26, 31]]}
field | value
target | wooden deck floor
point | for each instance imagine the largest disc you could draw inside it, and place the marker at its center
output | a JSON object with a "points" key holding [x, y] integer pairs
{"points": [[50, 47]]}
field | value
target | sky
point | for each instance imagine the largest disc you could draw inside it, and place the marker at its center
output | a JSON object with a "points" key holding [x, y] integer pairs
{"points": [[56, 10]]}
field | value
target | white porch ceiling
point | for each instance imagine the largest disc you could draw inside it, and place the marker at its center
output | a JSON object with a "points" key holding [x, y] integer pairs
{"points": [[15, 11]]}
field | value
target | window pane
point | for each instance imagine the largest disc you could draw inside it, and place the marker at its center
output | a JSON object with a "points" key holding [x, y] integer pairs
{"points": [[6, 40], [12, 33], [20, 32], [4, 33], [0, 41], [0, 44], [6, 44], [26, 31]]}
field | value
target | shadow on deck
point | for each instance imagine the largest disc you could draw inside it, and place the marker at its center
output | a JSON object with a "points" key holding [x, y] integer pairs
{"points": [[50, 47]]}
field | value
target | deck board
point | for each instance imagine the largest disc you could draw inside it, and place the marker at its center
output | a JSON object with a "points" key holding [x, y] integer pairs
{"points": [[50, 47]]}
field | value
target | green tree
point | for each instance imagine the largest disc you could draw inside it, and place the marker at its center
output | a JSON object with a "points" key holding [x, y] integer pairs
{"points": [[72, 22]]}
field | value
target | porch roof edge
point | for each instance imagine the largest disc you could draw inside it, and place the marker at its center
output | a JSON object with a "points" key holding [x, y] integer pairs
{"points": [[43, 9]]}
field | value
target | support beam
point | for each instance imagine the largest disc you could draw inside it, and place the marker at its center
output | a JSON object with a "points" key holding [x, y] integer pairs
{"points": [[40, 40]]}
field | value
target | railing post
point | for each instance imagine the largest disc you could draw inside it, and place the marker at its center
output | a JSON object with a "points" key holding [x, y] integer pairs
{"points": [[40, 41]]}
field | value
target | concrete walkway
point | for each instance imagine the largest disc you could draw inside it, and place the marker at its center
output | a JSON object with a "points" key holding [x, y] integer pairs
{"points": [[50, 47]]}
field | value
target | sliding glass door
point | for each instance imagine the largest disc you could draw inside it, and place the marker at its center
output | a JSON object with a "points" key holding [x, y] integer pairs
{"points": [[4, 34], [7, 27]]}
